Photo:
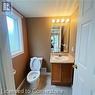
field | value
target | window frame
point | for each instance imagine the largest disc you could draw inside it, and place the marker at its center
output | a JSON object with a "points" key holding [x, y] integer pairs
{"points": [[14, 15]]}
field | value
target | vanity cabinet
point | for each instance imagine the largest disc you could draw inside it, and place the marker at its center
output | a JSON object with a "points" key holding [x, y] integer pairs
{"points": [[56, 73], [62, 74]]}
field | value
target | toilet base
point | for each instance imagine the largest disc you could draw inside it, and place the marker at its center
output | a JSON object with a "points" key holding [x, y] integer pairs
{"points": [[35, 84]]}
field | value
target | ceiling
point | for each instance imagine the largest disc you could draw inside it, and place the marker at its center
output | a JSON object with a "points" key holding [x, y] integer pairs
{"points": [[45, 8]]}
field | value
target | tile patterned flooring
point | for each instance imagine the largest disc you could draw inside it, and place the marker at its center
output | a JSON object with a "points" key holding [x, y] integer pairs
{"points": [[45, 88]]}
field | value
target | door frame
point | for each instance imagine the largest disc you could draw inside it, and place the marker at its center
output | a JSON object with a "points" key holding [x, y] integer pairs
{"points": [[6, 68]]}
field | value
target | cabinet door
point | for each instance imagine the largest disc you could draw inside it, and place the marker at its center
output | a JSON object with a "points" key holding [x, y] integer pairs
{"points": [[67, 74], [56, 73]]}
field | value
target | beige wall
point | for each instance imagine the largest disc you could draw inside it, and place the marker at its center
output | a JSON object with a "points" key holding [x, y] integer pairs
{"points": [[73, 32], [39, 38], [39, 31], [20, 63]]}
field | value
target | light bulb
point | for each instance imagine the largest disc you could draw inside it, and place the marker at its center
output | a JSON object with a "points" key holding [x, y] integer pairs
{"points": [[67, 20], [53, 20]]}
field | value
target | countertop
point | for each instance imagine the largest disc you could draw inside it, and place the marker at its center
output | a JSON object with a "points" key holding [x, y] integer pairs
{"points": [[61, 58]]}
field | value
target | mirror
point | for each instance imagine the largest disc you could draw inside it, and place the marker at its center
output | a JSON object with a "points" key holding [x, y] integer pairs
{"points": [[60, 38]]}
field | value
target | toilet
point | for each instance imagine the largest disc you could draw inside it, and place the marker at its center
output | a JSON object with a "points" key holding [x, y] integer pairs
{"points": [[34, 75]]}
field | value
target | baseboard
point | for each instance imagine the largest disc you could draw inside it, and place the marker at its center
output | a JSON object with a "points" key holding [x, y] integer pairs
{"points": [[19, 87], [46, 73]]}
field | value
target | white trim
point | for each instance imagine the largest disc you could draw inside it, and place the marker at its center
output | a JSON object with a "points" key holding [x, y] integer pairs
{"points": [[15, 12], [19, 87], [17, 54], [21, 51], [12, 12]]}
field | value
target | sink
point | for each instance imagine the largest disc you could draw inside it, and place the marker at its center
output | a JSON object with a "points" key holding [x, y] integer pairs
{"points": [[60, 58]]}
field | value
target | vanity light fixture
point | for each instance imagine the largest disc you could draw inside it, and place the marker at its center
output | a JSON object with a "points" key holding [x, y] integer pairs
{"points": [[60, 20]]}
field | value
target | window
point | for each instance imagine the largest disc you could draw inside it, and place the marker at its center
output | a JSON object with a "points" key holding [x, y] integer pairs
{"points": [[15, 34]]}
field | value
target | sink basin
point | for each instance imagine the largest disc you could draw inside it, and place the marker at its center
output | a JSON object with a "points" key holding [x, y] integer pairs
{"points": [[60, 58]]}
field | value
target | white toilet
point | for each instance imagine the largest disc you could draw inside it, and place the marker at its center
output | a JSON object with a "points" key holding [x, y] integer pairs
{"points": [[34, 75]]}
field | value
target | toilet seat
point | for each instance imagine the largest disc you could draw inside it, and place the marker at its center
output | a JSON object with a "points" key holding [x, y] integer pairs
{"points": [[33, 76]]}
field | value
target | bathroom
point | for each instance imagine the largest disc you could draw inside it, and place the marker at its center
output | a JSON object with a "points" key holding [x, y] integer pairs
{"points": [[40, 41], [47, 47]]}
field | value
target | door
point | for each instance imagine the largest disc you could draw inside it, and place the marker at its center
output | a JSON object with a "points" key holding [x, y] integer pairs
{"points": [[2, 81], [0, 88], [6, 70], [84, 75]]}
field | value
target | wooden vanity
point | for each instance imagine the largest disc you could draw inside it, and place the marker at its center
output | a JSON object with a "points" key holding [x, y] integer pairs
{"points": [[62, 71]]}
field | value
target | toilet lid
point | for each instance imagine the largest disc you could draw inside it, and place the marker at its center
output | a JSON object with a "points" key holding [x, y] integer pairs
{"points": [[35, 64]]}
